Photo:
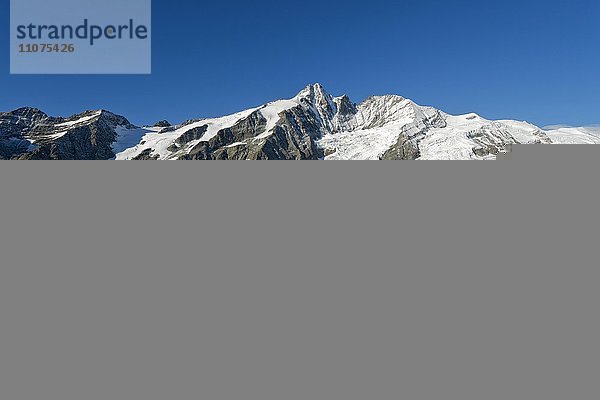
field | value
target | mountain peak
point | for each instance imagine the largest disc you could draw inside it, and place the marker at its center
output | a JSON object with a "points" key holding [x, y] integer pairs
{"points": [[27, 112], [312, 125], [315, 90]]}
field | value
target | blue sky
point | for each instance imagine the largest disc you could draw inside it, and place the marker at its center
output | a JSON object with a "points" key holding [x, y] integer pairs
{"points": [[528, 60]]}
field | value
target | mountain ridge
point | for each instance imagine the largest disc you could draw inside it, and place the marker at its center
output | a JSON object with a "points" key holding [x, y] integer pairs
{"points": [[312, 125]]}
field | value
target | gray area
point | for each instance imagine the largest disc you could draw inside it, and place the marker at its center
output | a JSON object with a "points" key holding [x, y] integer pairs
{"points": [[576, 153], [300, 280]]}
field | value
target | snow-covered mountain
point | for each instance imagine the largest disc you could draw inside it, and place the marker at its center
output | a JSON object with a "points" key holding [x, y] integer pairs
{"points": [[28, 133], [572, 135], [312, 125]]}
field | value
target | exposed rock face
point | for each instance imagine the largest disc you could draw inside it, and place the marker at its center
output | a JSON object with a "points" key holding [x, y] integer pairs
{"points": [[292, 136], [492, 138], [32, 135], [162, 124], [404, 149], [14, 127], [145, 155], [192, 134], [290, 139], [296, 130], [312, 125]]}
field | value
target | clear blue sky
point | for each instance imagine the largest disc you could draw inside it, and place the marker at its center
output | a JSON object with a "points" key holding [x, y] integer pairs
{"points": [[528, 60]]}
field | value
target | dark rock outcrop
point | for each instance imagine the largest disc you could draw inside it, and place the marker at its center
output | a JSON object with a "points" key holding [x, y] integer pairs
{"points": [[29, 134], [162, 124]]}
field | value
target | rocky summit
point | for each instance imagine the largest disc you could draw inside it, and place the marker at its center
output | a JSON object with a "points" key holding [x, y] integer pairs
{"points": [[30, 134], [312, 125]]}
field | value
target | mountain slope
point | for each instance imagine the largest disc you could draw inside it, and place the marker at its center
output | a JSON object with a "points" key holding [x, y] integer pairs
{"points": [[569, 135], [315, 124], [311, 125], [28, 133], [284, 129]]}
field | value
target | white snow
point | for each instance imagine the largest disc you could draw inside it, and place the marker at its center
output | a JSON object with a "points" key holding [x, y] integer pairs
{"points": [[79, 121], [581, 135], [151, 140], [237, 144], [271, 113], [368, 144], [452, 142], [217, 124], [56, 135], [523, 132], [448, 143], [128, 138], [160, 142], [373, 130]]}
